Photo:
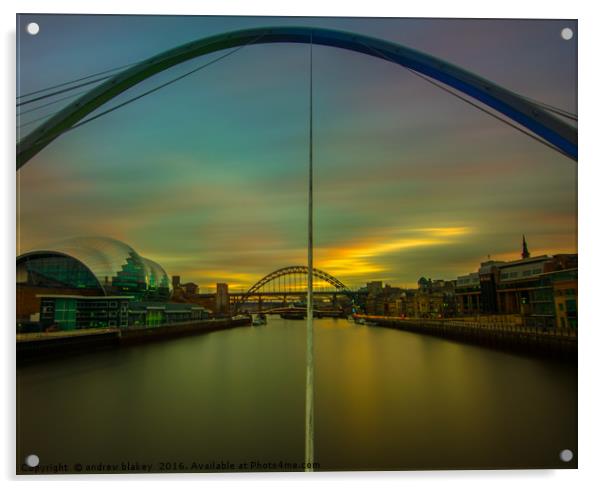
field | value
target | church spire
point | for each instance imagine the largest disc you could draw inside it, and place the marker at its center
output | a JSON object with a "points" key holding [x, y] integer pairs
{"points": [[525, 253]]}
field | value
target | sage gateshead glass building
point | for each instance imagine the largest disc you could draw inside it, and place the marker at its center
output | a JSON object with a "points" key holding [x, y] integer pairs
{"points": [[93, 266]]}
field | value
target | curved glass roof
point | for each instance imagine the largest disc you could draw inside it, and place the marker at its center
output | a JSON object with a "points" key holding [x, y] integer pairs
{"points": [[157, 277], [115, 264]]}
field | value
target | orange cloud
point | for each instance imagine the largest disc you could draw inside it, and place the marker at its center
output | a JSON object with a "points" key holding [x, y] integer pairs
{"points": [[362, 259]]}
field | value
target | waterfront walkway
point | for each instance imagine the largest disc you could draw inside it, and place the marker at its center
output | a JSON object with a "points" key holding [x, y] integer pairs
{"points": [[555, 341], [34, 345], [57, 335]]}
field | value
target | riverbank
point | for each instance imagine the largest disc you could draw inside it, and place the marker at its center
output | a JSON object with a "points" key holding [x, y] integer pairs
{"points": [[42, 345], [554, 342]]}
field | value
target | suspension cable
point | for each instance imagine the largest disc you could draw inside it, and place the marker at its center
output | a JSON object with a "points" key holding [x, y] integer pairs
{"points": [[489, 112], [555, 110], [29, 123], [87, 77], [148, 92], [34, 109], [64, 90], [551, 108], [470, 102]]}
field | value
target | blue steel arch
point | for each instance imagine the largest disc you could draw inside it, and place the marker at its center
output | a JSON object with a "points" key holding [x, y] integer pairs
{"points": [[523, 111]]}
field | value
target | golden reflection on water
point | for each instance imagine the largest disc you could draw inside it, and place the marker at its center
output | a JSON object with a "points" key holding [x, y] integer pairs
{"points": [[385, 399]]}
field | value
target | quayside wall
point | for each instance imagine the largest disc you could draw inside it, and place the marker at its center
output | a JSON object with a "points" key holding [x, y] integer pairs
{"points": [[31, 346], [559, 342]]}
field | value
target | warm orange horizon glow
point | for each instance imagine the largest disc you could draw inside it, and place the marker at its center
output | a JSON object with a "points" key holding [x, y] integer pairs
{"points": [[352, 261], [358, 260]]}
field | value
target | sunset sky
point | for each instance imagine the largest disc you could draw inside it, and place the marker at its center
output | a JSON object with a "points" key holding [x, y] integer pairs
{"points": [[209, 175]]}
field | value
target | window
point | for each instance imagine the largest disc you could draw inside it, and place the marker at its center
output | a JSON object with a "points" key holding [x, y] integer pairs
{"points": [[571, 305], [65, 313], [50, 269], [560, 306]]}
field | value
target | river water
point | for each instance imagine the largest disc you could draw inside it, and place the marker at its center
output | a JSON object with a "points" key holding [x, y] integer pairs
{"points": [[384, 400]]}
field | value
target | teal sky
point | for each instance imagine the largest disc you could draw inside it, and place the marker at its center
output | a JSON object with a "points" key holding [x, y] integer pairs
{"points": [[208, 176]]}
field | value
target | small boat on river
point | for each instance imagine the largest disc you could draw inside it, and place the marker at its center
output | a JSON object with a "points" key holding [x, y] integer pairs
{"points": [[293, 315], [260, 319]]}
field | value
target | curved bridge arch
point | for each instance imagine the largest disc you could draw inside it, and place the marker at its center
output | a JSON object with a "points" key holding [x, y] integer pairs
{"points": [[292, 270], [526, 113], [298, 269]]}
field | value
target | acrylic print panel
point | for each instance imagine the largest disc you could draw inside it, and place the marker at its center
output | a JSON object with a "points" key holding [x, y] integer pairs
{"points": [[290, 244]]}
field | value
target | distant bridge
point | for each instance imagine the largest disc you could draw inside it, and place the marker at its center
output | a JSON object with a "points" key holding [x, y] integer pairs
{"points": [[289, 284]]}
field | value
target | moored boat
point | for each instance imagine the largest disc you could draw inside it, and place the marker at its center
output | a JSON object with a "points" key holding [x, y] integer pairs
{"points": [[260, 319], [292, 315]]}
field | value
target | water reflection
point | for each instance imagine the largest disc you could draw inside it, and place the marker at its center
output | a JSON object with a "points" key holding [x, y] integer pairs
{"points": [[385, 399]]}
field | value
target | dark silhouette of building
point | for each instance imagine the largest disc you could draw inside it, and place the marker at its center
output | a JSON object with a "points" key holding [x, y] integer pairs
{"points": [[222, 299], [190, 288]]}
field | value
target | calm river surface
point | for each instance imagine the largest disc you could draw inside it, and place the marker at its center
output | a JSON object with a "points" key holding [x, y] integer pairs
{"points": [[384, 399]]}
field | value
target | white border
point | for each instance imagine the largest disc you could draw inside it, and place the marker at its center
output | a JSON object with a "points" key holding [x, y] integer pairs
{"points": [[590, 163]]}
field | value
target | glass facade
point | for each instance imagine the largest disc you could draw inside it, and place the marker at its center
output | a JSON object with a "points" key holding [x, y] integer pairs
{"points": [[106, 264], [543, 301], [57, 270], [82, 312], [154, 317], [132, 278], [65, 312], [158, 281], [571, 312]]}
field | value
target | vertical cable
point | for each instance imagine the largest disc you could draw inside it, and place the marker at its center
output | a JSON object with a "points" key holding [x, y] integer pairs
{"points": [[309, 342]]}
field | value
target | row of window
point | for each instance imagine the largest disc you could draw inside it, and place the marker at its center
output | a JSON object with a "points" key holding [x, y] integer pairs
{"points": [[570, 322], [565, 292], [526, 273], [467, 281]]}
